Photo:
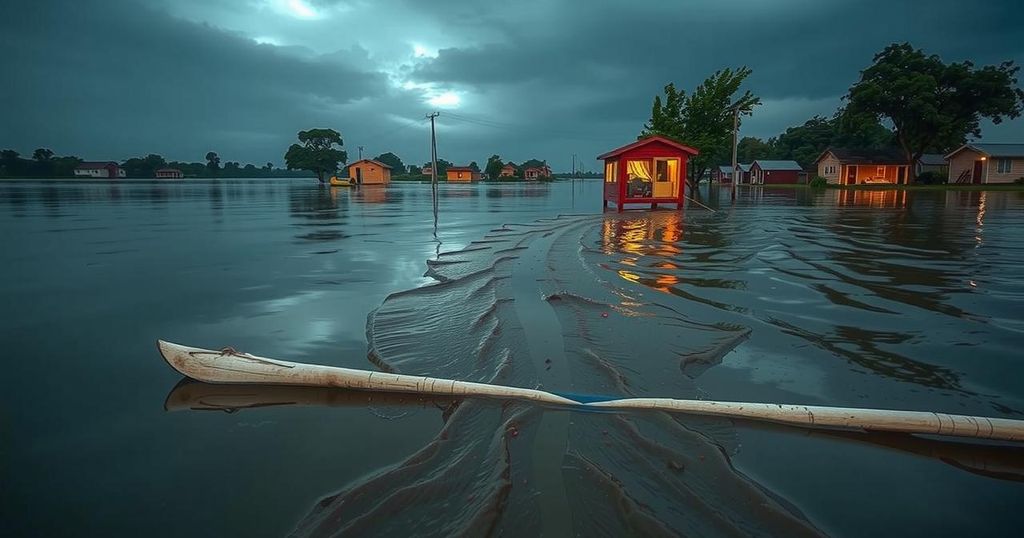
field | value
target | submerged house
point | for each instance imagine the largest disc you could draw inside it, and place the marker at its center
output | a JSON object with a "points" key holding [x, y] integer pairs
{"points": [[763, 171], [369, 172], [842, 166], [99, 170], [509, 170], [744, 175], [986, 163], [650, 170], [536, 172], [169, 173], [722, 174], [463, 173], [931, 162]]}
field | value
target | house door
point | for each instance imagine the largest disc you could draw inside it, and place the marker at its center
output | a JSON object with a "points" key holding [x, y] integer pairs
{"points": [[359, 175], [851, 175], [976, 176], [666, 178], [901, 174]]}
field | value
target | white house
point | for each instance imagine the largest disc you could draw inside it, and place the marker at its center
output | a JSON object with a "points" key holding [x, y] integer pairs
{"points": [[99, 170]]}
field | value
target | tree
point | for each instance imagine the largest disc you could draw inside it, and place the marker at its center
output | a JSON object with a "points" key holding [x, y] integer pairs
{"points": [[474, 166], [442, 166], [269, 167], [493, 167], [42, 154], [317, 153], [391, 160], [212, 162], [751, 148], [929, 104], [704, 118], [143, 167], [805, 143]]}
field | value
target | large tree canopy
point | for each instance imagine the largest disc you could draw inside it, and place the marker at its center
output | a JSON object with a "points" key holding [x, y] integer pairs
{"points": [[704, 118], [932, 105], [317, 153], [493, 167], [392, 160]]}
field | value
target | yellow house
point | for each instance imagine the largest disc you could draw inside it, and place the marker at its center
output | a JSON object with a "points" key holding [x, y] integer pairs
{"points": [[462, 173], [369, 172], [859, 167], [986, 163]]}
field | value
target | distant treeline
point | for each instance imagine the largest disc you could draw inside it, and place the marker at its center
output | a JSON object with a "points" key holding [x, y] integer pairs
{"points": [[44, 164]]}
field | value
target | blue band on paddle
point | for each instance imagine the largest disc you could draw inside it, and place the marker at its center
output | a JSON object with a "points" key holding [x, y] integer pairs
{"points": [[585, 398]]}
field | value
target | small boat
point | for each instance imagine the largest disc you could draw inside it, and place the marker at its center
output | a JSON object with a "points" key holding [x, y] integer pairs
{"points": [[336, 182]]}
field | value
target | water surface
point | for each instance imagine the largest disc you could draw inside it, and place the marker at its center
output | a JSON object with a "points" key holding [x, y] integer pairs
{"points": [[907, 300]]}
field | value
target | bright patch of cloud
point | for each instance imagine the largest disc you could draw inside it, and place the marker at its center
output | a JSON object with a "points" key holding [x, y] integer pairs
{"points": [[421, 51], [447, 99], [296, 8], [266, 40]]}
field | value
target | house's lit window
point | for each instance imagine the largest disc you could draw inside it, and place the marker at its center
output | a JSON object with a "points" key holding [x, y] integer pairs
{"points": [[666, 169], [611, 171], [1003, 166], [880, 171], [640, 176]]}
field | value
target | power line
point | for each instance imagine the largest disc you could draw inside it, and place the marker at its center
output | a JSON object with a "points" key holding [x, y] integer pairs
{"points": [[554, 133]]}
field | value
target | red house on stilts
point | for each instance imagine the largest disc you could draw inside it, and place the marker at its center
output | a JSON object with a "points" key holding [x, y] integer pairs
{"points": [[648, 171]]}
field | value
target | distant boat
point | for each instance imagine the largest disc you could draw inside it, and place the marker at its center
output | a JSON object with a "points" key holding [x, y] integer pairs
{"points": [[335, 182]]}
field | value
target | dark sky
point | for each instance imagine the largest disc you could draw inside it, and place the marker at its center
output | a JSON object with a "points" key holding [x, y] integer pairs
{"points": [[109, 79]]}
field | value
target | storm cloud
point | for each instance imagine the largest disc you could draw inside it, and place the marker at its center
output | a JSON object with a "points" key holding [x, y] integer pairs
{"points": [[544, 79]]}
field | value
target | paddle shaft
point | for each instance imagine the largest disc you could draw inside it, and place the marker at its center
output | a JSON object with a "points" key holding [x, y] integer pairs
{"points": [[229, 366]]}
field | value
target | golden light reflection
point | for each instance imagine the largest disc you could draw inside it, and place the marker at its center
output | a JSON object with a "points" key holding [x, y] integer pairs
{"points": [[980, 222], [872, 198], [649, 241], [664, 282], [629, 275]]}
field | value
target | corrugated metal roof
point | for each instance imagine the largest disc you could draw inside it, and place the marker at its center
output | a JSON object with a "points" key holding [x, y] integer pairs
{"points": [[933, 159], [725, 169], [778, 165], [745, 167], [644, 141], [1000, 150], [866, 156]]}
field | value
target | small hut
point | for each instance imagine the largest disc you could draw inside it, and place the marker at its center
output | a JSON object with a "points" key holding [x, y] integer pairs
{"points": [[369, 172], [648, 171]]}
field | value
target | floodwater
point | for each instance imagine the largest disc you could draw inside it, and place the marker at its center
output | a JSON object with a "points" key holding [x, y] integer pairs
{"points": [[906, 300]]}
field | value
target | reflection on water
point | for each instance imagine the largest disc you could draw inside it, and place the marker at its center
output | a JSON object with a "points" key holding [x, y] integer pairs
{"points": [[896, 299]]}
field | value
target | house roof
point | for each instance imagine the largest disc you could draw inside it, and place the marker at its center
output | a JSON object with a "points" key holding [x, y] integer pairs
{"points": [[509, 165], [865, 156], [764, 164], [932, 159], [725, 168], [461, 169], [371, 161], [745, 167], [643, 142], [992, 150], [94, 165], [168, 170]]}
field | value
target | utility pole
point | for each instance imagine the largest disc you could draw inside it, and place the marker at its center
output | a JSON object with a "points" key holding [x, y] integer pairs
{"points": [[735, 165], [574, 166], [360, 153], [433, 164], [433, 148]]}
